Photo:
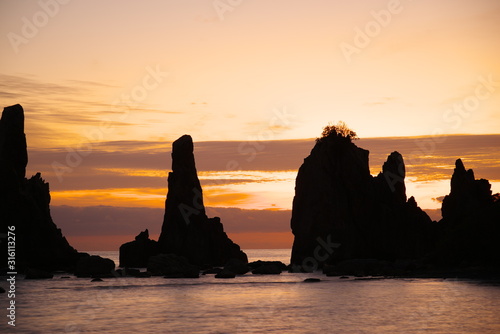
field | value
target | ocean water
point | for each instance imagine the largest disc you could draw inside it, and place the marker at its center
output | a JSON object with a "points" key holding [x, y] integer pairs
{"points": [[255, 304]]}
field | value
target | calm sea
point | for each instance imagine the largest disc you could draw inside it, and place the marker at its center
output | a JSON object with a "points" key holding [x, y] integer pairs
{"points": [[254, 304]]}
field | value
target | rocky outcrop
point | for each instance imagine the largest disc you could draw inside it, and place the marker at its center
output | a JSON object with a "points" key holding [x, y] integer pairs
{"points": [[237, 266], [470, 227], [225, 273], [172, 266], [136, 253], [267, 267], [186, 230], [25, 204], [342, 212], [37, 274], [13, 148], [260, 263], [95, 266], [468, 196]]}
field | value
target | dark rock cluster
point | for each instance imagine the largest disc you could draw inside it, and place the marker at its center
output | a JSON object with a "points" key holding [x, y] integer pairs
{"points": [[95, 266], [40, 247], [137, 253], [186, 230], [25, 204], [470, 228], [344, 220], [347, 221], [340, 211]]}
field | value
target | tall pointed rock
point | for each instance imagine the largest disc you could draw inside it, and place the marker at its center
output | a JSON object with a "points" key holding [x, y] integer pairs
{"points": [[13, 148], [25, 203], [184, 203], [186, 229]]}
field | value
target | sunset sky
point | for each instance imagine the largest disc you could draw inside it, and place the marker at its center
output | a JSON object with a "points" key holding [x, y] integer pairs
{"points": [[108, 85]]}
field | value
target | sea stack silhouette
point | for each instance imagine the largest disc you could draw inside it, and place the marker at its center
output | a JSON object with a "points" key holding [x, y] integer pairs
{"points": [[186, 229], [470, 227], [340, 211], [349, 222], [25, 205]]}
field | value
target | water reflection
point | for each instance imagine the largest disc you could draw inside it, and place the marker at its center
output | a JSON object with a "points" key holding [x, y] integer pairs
{"points": [[252, 304]]}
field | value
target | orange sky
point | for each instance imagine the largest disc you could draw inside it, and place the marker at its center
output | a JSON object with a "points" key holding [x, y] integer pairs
{"points": [[107, 86]]}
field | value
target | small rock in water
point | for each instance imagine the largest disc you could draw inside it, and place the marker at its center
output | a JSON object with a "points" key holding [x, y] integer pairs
{"points": [[267, 269], [38, 274], [225, 274], [237, 266], [96, 280], [312, 280], [94, 265]]}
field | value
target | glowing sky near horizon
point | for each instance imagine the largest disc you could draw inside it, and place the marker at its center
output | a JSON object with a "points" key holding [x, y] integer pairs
{"points": [[100, 77]]}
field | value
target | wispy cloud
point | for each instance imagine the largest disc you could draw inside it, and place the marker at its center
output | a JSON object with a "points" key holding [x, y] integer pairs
{"points": [[22, 86], [71, 107]]}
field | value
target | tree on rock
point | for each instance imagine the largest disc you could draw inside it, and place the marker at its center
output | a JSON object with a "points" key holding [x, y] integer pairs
{"points": [[338, 130]]}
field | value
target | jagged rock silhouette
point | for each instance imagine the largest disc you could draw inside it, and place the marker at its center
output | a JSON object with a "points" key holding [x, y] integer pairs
{"points": [[137, 253], [25, 204], [186, 229], [337, 201], [470, 227]]}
